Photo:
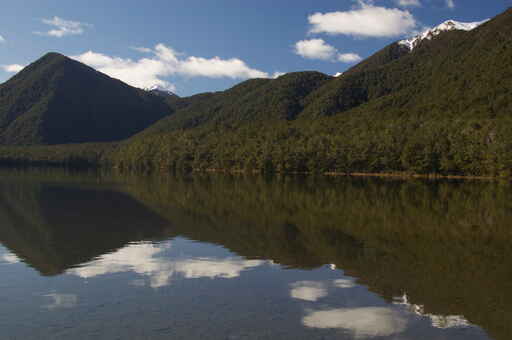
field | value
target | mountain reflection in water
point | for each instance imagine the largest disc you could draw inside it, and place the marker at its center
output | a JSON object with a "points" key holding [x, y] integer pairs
{"points": [[362, 258]]}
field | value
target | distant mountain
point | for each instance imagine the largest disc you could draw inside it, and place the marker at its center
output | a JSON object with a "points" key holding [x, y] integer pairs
{"points": [[160, 91], [57, 100]]}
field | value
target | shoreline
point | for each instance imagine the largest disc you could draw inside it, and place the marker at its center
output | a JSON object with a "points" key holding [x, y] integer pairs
{"points": [[402, 175], [396, 175]]}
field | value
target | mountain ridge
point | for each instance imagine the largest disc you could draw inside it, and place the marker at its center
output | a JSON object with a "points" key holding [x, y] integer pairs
{"points": [[442, 108]]}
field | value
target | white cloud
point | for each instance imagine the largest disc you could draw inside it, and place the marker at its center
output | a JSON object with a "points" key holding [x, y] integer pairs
{"points": [[218, 68], [142, 73], [308, 290], [142, 49], [408, 3], [366, 20], [164, 61], [278, 74], [349, 57], [315, 49], [63, 27], [450, 3], [363, 322], [143, 259], [2, 39], [319, 49], [12, 68]]}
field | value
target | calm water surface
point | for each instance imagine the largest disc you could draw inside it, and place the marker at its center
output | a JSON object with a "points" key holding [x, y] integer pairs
{"points": [[104, 256]]}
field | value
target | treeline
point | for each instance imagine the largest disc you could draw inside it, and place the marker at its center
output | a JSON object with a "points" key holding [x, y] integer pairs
{"points": [[68, 155], [445, 147]]}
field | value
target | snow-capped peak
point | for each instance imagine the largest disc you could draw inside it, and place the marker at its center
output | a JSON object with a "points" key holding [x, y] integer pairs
{"points": [[449, 25], [338, 74], [159, 90]]}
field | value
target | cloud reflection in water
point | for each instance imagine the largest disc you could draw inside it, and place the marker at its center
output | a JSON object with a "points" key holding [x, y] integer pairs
{"points": [[145, 259], [362, 322]]}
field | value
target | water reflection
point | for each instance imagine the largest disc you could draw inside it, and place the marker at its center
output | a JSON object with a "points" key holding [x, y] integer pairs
{"points": [[334, 256], [363, 322], [9, 258], [438, 321], [149, 260], [315, 290], [61, 301]]}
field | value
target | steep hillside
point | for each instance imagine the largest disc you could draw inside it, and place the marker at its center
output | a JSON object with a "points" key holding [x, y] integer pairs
{"points": [[57, 100], [443, 107], [440, 107], [250, 101]]}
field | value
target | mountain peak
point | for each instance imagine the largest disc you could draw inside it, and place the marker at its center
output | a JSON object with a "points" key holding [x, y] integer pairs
{"points": [[429, 34], [160, 91]]}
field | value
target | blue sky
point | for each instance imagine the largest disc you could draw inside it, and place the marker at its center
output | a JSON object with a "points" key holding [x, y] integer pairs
{"points": [[192, 46]]}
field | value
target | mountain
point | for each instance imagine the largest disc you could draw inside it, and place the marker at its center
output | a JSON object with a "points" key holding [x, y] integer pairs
{"points": [[440, 107], [161, 91], [250, 101], [57, 100], [429, 34]]}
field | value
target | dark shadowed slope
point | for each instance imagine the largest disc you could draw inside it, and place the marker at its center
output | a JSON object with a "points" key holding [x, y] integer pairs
{"points": [[57, 100]]}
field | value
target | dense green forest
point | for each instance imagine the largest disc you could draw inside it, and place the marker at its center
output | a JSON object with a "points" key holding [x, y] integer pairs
{"points": [[443, 108], [57, 100]]}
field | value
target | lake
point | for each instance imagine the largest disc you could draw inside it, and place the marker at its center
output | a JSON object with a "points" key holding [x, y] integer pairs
{"points": [[99, 255]]}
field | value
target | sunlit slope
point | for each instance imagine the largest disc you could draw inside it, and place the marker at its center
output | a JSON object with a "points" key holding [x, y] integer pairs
{"points": [[442, 108]]}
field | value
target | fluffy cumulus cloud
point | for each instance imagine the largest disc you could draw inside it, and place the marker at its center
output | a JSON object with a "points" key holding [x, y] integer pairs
{"points": [[315, 49], [408, 3], [319, 49], [146, 260], [12, 68], [163, 61], [63, 27], [367, 20], [362, 322], [349, 57]]}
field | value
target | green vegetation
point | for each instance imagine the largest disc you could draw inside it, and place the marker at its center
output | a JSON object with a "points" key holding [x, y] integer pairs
{"points": [[442, 109], [57, 100]]}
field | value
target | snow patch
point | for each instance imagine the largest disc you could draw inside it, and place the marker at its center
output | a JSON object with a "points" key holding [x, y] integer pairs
{"points": [[429, 34], [159, 90]]}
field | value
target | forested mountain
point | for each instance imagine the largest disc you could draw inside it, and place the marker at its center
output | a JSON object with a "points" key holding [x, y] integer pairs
{"points": [[441, 107], [57, 100]]}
